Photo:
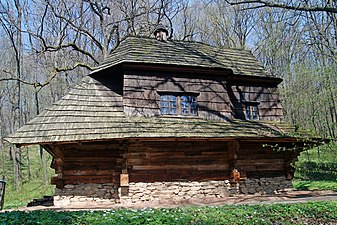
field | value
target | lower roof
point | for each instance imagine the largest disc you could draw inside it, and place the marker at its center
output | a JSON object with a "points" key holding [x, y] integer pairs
{"points": [[92, 112]]}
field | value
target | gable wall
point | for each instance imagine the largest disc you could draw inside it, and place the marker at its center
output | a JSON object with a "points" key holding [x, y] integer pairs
{"points": [[218, 99]]}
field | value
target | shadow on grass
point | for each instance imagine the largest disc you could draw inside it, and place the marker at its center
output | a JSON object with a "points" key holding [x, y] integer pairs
{"points": [[315, 185], [302, 185]]}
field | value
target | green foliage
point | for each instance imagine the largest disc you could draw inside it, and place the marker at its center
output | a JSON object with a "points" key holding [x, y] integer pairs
{"points": [[33, 186], [315, 185], [311, 170], [239, 214], [28, 191], [317, 169]]}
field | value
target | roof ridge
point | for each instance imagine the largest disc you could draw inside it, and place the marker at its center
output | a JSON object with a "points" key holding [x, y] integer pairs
{"points": [[188, 42]]}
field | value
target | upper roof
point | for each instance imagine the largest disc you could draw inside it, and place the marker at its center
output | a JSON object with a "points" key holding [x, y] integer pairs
{"points": [[181, 53], [92, 112]]}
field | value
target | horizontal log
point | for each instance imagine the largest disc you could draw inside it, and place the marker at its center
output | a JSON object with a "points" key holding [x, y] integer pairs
{"points": [[88, 179], [87, 172], [181, 167], [90, 159], [177, 162], [92, 165], [183, 175], [268, 162]]}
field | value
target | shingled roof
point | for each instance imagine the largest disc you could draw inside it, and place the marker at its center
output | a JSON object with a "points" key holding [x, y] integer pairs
{"points": [[180, 53], [88, 113], [92, 111]]}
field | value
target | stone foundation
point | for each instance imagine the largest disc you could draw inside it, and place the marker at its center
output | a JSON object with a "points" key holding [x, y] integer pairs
{"points": [[264, 185], [84, 194], [175, 191], [164, 192]]}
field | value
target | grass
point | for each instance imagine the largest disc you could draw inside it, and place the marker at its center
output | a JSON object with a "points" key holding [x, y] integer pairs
{"points": [[29, 191], [315, 185], [33, 186], [312, 213], [316, 169]]}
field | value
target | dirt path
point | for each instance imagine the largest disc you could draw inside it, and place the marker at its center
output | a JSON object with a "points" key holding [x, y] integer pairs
{"points": [[287, 197]]}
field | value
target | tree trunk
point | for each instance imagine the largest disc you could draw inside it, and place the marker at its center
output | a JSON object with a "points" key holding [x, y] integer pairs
{"points": [[1, 148], [28, 162], [17, 166], [44, 164], [42, 155]]}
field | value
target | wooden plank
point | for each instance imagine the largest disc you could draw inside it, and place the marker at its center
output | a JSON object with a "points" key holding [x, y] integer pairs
{"points": [[183, 175], [124, 180], [88, 172], [87, 179], [181, 167]]}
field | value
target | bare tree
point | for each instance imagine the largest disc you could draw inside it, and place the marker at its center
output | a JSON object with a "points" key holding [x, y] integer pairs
{"points": [[300, 5]]}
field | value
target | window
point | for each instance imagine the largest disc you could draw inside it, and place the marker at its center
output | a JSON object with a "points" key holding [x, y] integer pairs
{"points": [[178, 105], [252, 112], [168, 104], [188, 105]]}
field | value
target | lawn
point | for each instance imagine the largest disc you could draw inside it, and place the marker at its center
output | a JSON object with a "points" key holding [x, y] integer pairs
{"points": [[303, 213]]}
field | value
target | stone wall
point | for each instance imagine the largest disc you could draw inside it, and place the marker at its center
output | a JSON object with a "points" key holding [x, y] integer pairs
{"points": [[161, 192], [164, 192], [82, 194], [264, 185]]}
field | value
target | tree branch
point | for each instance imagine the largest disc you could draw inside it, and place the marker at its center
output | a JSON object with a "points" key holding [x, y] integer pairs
{"points": [[261, 3], [74, 67]]}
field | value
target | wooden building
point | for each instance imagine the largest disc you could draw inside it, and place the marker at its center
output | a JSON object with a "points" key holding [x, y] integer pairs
{"points": [[165, 120]]}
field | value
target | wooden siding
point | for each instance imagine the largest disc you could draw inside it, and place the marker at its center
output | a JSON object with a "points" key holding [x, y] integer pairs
{"points": [[217, 98], [258, 161], [92, 162], [160, 161], [151, 161]]}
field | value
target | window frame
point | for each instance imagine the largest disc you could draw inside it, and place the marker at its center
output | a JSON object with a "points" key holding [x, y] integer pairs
{"points": [[180, 109], [251, 111]]}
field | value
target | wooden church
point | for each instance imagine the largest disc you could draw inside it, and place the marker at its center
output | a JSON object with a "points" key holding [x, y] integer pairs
{"points": [[167, 120]]}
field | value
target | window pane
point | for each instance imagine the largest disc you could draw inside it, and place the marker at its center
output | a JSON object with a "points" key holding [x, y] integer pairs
{"points": [[193, 106], [173, 105], [255, 113], [164, 110], [184, 101], [173, 98], [173, 111], [164, 104], [163, 97], [248, 117]]}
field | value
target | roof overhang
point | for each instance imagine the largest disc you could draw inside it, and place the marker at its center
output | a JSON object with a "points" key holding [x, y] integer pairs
{"points": [[195, 70]]}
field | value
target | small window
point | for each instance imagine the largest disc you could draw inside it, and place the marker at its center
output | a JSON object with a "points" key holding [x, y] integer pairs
{"points": [[168, 104], [188, 105], [252, 112], [178, 105]]}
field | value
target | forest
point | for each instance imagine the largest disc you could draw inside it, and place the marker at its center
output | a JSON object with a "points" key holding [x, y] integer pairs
{"points": [[48, 46]]}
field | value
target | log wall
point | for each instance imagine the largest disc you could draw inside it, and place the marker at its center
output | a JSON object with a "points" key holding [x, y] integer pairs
{"points": [[92, 163], [217, 98], [167, 161], [155, 161], [258, 161]]}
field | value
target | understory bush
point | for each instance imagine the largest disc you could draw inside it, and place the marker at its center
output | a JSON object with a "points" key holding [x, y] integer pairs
{"points": [[311, 170]]}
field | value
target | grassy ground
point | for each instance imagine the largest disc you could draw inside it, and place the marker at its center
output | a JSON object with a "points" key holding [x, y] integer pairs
{"points": [[305, 213], [316, 169], [315, 185], [33, 186]]}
